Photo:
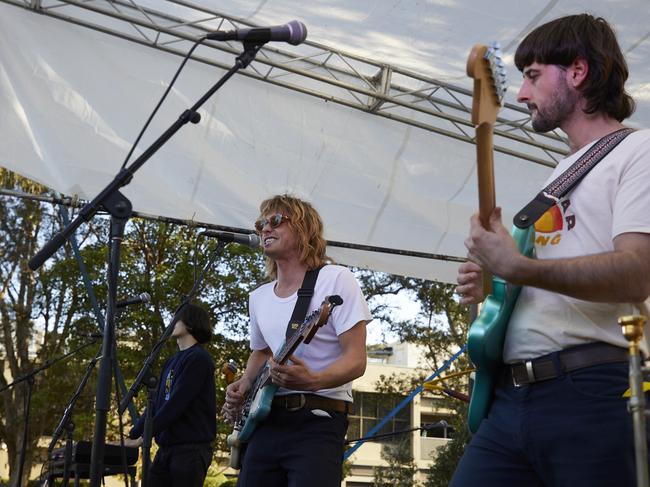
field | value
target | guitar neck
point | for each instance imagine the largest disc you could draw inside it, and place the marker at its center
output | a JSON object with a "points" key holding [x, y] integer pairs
{"points": [[486, 190], [288, 348], [281, 357], [485, 172], [297, 337], [485, 66]]}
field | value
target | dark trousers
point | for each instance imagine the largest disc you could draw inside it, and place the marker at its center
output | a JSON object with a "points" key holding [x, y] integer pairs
{"points": [[180, 466], [571, 431], [295, 449]]}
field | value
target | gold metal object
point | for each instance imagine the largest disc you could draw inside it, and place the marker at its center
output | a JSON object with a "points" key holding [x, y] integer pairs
{"points": [[632, 327]]}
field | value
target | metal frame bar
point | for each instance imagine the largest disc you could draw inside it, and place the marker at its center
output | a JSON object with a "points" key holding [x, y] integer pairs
{"points": [[74, 202], [313, 69]]}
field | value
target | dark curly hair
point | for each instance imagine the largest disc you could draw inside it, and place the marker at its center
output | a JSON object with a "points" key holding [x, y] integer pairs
{"points": [[584, 36]]}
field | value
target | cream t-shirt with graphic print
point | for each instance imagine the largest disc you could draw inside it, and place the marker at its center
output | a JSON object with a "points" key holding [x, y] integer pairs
{"points": [[614, 198]]}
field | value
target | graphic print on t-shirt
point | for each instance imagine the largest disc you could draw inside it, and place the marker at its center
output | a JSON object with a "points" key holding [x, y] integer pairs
{"points": [[168, 383], [549, 227]]}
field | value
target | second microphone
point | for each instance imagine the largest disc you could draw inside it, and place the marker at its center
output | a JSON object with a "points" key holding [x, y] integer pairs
{"points": [[248, 239]]}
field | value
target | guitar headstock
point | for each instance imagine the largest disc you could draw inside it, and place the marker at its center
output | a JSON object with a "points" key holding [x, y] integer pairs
{"points": [[486, 67], [229, 370], [321, 315]]}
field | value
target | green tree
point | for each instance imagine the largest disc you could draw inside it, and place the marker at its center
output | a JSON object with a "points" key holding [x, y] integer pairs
{"points": [[401, 469], [440, 329], [447, 456], [47, 313], [37, 313], [164, 260]]}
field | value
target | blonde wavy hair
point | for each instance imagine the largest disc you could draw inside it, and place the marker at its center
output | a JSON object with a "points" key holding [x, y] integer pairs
{"points": [[306, 222]]}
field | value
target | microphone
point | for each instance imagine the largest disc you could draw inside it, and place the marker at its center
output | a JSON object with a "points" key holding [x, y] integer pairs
{"points": [[293, 32], [442, 424], [139, 299], [249, 239]]}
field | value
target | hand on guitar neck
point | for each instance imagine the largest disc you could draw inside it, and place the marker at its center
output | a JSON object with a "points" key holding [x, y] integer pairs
{"points": [[491, 248], [235, 392], [235, 395]]}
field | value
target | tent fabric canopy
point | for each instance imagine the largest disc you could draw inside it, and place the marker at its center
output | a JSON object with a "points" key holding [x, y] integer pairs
{"points": [[75, 98]]}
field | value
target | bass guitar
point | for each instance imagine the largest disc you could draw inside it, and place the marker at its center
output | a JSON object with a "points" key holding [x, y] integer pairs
{"points": [[257, 405], [487, 332]]}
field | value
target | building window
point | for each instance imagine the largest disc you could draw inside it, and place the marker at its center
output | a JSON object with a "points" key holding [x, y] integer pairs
{"points": [[370, 408]]}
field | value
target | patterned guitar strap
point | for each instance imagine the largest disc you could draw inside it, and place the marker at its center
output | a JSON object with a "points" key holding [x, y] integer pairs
{"points": [[568, 180]]}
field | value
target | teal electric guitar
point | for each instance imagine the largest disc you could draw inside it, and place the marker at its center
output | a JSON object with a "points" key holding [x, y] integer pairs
{"points": [[487, 332], [257, 405]]}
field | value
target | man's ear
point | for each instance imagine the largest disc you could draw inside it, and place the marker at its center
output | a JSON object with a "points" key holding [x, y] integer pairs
{"points": [[577, 72]]}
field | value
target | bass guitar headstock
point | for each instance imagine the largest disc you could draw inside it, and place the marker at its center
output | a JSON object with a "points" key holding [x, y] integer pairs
{"points": [[485, 65], [229, 370], [321, 315]]}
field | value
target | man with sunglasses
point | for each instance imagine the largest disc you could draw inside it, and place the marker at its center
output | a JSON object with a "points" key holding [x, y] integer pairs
{"points": [[301, 441]]}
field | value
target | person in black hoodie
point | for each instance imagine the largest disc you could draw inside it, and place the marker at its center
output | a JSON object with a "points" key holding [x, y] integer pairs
{"points": [[184, 418]]}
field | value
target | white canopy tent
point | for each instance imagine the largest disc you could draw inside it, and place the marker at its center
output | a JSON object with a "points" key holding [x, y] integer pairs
{"points": [[369, 120]]}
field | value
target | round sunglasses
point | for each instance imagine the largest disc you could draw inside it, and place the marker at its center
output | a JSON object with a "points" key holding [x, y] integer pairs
{"points": [[274, 220]]}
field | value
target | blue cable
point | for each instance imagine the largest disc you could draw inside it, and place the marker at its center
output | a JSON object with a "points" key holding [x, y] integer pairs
{"points": [[93, 300], [402, 404], [82, 268]]}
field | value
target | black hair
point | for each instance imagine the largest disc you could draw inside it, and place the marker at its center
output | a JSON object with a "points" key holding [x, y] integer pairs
{"points": [[197, 322]]}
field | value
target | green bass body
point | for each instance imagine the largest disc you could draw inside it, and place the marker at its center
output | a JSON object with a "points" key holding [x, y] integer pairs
{"points": [[487, 334]]}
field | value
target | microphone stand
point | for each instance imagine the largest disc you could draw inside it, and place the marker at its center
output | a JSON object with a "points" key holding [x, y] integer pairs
{"points": [[145, 372], [29, 378], [103, 393], [67, 459], [111, 200], [28, 402], [65, 422], [151, 382]]}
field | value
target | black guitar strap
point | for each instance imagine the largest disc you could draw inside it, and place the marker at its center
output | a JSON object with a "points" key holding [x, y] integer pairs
{"points": [[305, 294], [566, 181]]}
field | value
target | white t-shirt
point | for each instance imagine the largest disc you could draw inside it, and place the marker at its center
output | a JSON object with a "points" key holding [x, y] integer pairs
{"points": [[614, 198], [269, 315]]}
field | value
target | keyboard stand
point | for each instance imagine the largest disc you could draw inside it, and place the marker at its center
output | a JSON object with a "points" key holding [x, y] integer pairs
{"points": [[82, 471]]}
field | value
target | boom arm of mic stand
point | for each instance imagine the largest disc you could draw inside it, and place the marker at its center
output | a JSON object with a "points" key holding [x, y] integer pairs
{"points": [[148, 362], [125, 175], [46, 365], [67, 413]]}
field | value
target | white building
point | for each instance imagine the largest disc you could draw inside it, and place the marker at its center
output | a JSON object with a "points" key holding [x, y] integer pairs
{"points": [[400, 359]]}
